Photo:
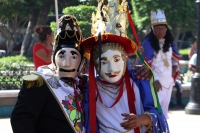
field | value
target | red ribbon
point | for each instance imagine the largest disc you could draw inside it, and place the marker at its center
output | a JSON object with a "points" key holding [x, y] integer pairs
{"points": [[92, 97], [136, 36], [131, 97], [118, 97]]}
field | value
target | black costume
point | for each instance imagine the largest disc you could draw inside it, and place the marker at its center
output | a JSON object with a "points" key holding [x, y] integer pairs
{"points": [[37, 111]]}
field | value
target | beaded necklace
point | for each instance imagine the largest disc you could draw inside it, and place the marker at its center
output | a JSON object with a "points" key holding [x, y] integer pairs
{"points": [[118, 97], [104, 87], [112, 128]]}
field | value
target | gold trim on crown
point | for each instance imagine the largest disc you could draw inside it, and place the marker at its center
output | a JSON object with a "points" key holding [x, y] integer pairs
{"points": [[74, 28], [158, 17]]}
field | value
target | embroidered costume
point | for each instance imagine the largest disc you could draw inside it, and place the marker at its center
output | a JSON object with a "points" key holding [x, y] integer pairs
{"points": [[115, 100], [160, 58], [109, 118], [50, 100]]}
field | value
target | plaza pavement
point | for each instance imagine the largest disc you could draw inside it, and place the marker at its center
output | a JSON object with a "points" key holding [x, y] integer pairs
{"points": [[179, 122]]}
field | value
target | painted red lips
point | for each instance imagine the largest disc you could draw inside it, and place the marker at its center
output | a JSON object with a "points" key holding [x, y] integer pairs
{"points": [[112, 76]]}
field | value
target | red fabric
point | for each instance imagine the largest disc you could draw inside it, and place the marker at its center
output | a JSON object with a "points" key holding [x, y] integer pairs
{"points": [[127, 43], [38, 61], [133, 28], [131, 97], [136, 36], [92, 97], [118, 97]]}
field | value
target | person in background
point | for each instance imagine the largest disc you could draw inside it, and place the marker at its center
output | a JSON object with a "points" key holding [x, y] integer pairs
{"points": [[42, 50], [179, 104], [192, 63], [191, 68], [193, 49], [163, 57]]}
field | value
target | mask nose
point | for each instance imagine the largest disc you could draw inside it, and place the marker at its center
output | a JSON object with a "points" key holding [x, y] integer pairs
{"points": [[67, 62], [111, 67]]}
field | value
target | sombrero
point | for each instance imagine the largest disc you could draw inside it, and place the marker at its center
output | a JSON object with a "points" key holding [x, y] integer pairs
{"points": [[69, 32], [130, 46]]}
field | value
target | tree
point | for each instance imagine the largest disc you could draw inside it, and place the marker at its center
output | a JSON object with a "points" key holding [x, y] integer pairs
{"points": [[42, 17], [38, 16], [83, 14], [12, 20], [180, 14]]}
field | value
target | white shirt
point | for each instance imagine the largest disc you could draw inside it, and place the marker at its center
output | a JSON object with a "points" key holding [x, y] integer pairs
{"points": [[193, 60]]}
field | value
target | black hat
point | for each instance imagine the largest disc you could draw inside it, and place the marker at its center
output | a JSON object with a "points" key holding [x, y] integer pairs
{"points": [[69, 34]]}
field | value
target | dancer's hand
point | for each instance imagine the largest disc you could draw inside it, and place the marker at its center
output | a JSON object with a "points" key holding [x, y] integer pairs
{"points": [[158, 85], [133, 121], [143, 72], [174, 69]]}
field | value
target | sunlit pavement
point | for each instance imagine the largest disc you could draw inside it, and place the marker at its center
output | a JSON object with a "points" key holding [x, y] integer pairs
{"points": [[5, 126], [179, 122]]}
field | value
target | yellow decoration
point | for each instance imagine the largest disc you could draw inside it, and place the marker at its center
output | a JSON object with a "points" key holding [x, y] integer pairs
{"points": [[33, 81], [150, 126], [166, 63], [87, 55], [134, 46]]}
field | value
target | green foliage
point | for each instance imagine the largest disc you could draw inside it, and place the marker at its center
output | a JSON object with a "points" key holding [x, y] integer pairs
{"points": [[14, 66], [180, 13], [89, 2], [184, 51], [86, 28], [14, 63], [9, 9], [10, 83], [83, 14], [53, 27]]}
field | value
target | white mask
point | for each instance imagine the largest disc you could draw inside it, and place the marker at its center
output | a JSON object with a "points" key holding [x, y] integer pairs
{"points": [[112, 66], [67, 61]]}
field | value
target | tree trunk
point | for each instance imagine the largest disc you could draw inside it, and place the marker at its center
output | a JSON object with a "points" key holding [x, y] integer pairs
{"points": [[40, 21], [34, 13], [176, 30], [181, 41], [10, 46], [8, 36]]}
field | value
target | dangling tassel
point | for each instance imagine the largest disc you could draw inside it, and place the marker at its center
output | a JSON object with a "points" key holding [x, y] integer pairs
{"points": [[99, 50], [92, 96], [131, 97]]}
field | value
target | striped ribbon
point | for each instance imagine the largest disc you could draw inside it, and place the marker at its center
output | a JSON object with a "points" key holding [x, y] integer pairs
{"points": [[145, 62]]}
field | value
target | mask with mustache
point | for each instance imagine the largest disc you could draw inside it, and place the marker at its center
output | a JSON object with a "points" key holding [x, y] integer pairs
{"points": [[112, 66]]}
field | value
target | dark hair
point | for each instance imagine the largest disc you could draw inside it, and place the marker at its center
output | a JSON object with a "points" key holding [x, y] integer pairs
{"points": [[194, 40], [42, 31], [155, 42]]}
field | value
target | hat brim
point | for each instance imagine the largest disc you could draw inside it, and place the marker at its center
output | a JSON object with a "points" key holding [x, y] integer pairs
{"points": [[159, 23], [130, 46]]}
